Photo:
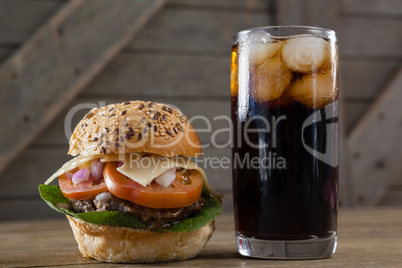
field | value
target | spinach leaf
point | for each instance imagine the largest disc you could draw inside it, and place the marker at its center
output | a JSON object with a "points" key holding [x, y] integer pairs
{"points": [[53, 196]]}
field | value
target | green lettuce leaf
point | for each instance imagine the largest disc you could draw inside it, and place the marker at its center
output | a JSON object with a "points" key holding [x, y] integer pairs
{"points": [[53, 196]]}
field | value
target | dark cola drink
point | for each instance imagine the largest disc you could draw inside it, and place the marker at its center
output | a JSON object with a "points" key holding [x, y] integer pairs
{"points": [[285, 157]]}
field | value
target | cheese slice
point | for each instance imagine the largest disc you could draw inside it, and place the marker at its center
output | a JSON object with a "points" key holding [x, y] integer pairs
{"points": [[142, 168]]}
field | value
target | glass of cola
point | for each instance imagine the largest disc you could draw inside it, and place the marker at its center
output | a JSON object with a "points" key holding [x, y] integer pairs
{"points": [[284, 93]]}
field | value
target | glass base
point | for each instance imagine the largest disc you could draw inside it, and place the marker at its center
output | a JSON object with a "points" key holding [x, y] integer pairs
{"points": [[313, 248]]}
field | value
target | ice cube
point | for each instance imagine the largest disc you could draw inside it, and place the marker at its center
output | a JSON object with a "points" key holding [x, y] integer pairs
{"points": [[270, 80], [261, 52], [261, 46], [258, 36], [315, 90], [304, 54]]}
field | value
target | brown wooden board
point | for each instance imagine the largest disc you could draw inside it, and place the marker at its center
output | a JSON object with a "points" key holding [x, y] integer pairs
{"points": [[153, 74], [375, 145], [362, 37], [389, 7], [20, 18], [248, 4], [58, 61], [194, 30], [365, 79], [353, 111], [318, 13], [4, 53], [367, 238]]}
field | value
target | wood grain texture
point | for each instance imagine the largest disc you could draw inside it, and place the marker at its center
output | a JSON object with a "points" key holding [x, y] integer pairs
{"points": [[389, 7], [196, 30], [362, 37], [20, 18], [353, 112], [318, 13], [58, 61], [152, 74], [375, 145], [367, 238], [4, 53], [364, 79], [246, 4]]}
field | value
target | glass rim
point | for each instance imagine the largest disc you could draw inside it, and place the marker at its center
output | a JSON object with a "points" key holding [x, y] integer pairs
{"points": [[289, 31]]}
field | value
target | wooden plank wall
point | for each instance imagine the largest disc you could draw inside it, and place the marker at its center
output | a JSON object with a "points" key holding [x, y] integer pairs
{"points": [[369, 33], [370, 40], [182, 58]]}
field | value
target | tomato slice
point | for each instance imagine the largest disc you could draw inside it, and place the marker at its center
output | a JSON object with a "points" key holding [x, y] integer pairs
{"points": [[184, 191], [84, 190]]}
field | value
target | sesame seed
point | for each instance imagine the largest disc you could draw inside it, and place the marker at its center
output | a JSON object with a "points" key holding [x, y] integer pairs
{"points": [[127, 102], [181, 128], [141, 106], [149, 124], [124, 112], [121, 138], [143, 120], [178, 124], [116, 131], [101, 135], [175, 130], [130, 129], [139, 136], [103, 149], [111, 115], [151, 104], [155, 128], [162, 134], [125, 123], [106, 129], [157, 115], [128, 136], [164, 116], [117, 144], [100, 142], [167, 137], [167, 109], [145, 130], [182, 119], [147, 113], [156, 134], [95, 139], [111, 109], [169, 132]]}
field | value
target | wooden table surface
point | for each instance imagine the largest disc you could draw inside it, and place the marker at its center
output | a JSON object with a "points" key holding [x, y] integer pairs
{"points": [[367, 238]]}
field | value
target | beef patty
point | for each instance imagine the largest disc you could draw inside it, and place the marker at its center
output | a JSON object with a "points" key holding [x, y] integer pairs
{"points": [[152, 217]]}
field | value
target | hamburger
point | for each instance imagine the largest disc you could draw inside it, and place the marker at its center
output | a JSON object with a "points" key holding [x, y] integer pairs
{"points": [[131, 194]]}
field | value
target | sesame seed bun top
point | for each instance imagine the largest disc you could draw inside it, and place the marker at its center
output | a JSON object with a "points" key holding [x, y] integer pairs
{"points": [[135, 126]]}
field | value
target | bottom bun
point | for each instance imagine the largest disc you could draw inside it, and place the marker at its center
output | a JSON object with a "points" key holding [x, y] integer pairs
{"points": [[128, 245]]}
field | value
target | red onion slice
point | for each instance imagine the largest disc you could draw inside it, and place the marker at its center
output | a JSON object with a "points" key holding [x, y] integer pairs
{"points": [[81, 176], [97, 169], [166, 178]]}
